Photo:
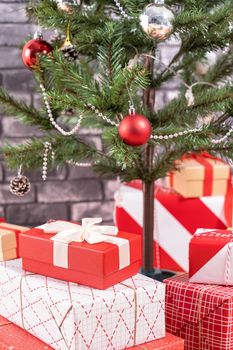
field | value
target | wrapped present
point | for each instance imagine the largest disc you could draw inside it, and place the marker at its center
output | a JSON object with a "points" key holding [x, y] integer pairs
{"points": [[201, 175], [200, 314], [211, 257], [71, 316], [12, 337], [9, 236], [176, 220], [90, 254], [170, 342]]}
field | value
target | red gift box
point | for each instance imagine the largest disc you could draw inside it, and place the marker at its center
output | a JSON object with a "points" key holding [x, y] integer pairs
{"points": [[210, 257], [176, 220], [170, 342], [200, 314], [95, 265], [13, 337]]}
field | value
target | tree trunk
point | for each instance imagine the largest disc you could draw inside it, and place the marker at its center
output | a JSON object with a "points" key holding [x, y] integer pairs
{"points": [[148, 229], [148, 189]]}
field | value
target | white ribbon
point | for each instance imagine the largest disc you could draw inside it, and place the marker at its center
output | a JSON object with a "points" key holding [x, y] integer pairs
{"points": [[91, 233]]}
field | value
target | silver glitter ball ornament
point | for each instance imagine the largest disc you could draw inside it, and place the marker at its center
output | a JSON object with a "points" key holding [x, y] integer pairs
{"points": [[156, 21]]}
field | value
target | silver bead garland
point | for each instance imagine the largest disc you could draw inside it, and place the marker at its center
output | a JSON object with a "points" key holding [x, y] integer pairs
{"points": [[111, 122], [52, 120], [224, 138], [106, 119], [73, 163], [121, 9], [47, 149], [176, 134]]}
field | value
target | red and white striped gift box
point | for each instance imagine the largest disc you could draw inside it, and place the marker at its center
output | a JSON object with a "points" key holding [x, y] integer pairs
{"points": [[69, 316], [176, 220], [211, 257], [200, 314]]}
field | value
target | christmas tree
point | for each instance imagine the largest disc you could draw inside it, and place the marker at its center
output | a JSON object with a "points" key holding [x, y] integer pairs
{"points": [[107, 73]]}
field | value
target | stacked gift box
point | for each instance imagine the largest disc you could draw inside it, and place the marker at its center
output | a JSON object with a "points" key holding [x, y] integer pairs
{"points": [[199, 305], [46, 294], [198, 195], [77, 286]]}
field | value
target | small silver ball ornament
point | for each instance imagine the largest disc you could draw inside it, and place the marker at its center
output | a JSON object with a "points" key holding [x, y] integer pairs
{"points": [[156, 21]]}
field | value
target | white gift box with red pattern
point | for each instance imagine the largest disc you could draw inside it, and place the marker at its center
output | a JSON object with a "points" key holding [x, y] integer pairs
{"points": [[176, 220], [69, 316], [211, 257]]}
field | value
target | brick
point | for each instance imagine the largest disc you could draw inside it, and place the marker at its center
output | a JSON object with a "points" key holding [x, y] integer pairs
{"points": [[81, 173], [170, 95], [15, 34], [14, 13], [36, 214], [167, 52], [14, 141], [172, 84], [60, 173], [11, 127], [18, 80], [10, 57], [110, 187], [1, 172], [7, 198], [159, 100], [37, 101], [90, 131], [94, 139], [93, 209], [2, 211], [72, 191], [21, 96]]}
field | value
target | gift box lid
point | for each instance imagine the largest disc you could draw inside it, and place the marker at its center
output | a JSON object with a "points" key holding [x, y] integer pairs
{"points": [[192, 169], [191, 302], [99, 259]]}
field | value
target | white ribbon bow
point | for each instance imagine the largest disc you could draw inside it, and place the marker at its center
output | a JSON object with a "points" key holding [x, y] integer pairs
{"points": [[88, 231], [91, 233]]}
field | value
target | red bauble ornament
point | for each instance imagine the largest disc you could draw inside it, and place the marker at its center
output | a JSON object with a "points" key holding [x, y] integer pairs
{"points": [[31, 49], [135, 130]]}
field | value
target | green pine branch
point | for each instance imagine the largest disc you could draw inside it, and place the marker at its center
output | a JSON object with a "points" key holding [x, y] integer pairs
{"points": [[206, 101], [26, 114]]}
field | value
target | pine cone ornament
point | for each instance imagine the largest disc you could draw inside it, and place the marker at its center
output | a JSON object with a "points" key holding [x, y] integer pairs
{"points": [[20, 185], [69, 52]]}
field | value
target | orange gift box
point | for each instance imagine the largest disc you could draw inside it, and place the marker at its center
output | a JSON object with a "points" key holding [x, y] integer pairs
{"points": [[9, 237], [201, 175], [13, 337], [96, 265], [170, 342]]}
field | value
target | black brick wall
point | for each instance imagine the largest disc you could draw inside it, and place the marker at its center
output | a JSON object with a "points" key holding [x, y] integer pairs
{"points": [[69, 193]]}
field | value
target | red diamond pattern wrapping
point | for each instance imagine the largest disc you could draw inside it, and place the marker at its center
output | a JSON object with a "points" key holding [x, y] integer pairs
{"points": [[68, 316], [200, 314]]}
